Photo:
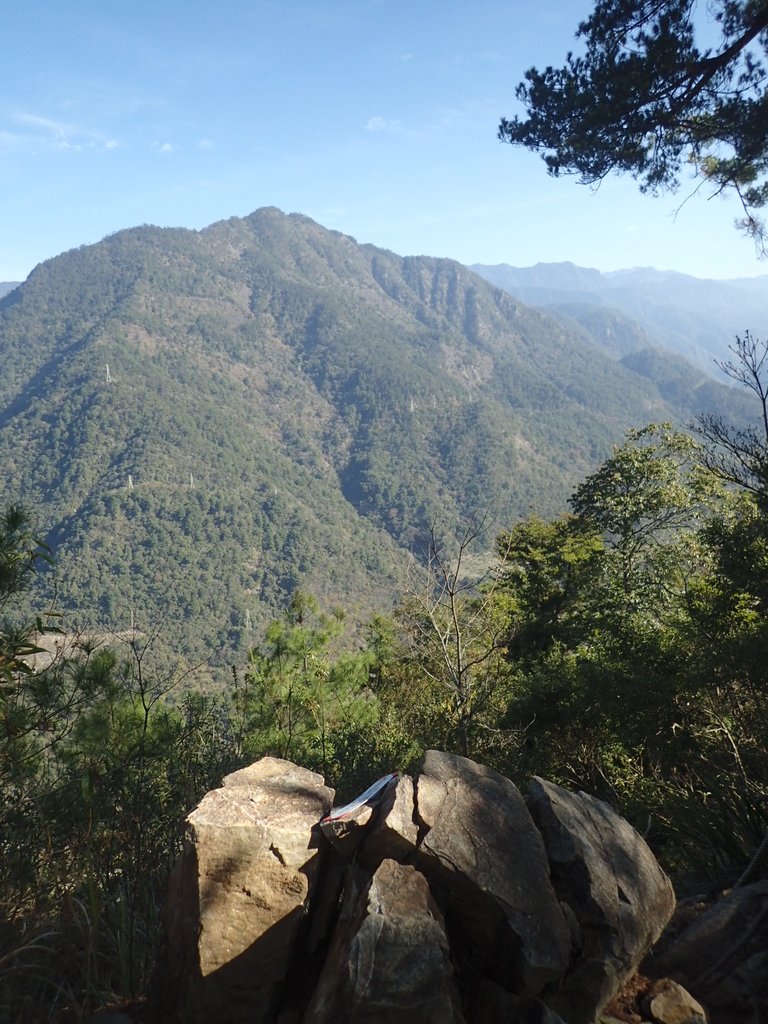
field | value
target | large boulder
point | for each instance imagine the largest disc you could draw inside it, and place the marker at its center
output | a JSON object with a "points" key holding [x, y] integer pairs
{"points": [[389, 961], [438, 899], [485, 859], [240, 893], [606, 874]]}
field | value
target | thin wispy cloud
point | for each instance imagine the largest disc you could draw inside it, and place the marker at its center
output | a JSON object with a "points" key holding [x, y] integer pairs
{"points": [[469, 112], [383, 124], [47, 124], [52, 134], [435, 121]]}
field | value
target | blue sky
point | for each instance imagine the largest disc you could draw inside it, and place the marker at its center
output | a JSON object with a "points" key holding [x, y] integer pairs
{"points": [[375, 117]]}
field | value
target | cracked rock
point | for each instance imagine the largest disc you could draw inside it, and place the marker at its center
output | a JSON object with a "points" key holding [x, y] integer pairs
{"points": [[485, 859], [238, 896], [603, 869]]}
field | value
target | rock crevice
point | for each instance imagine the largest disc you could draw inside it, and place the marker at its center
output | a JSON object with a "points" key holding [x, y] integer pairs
{"points": [[443, 899]]}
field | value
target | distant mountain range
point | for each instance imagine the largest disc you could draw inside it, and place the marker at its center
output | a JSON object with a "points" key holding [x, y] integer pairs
{"points": [[628, 310], [204, 420], [7, 286]]}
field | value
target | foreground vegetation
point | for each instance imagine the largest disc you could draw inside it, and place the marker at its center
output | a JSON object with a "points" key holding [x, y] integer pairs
{"points": [[621, 649]]}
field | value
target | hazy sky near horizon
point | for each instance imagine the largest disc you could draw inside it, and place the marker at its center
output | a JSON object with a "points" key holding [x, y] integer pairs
{"points": [[377, 118]]}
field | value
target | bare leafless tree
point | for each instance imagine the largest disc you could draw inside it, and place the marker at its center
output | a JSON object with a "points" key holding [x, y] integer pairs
{"points": [[452, 624], [739, 455]]}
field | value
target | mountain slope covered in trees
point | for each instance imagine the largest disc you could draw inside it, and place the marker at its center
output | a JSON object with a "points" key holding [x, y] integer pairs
{"points": [[627, 310], [204, 421]]}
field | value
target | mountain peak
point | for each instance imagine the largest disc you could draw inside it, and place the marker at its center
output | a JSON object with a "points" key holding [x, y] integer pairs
{"points": [[210, 419]]}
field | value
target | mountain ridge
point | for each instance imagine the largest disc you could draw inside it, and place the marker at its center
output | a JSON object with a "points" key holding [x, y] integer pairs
{"points": [[206, 420], [693, 317]]}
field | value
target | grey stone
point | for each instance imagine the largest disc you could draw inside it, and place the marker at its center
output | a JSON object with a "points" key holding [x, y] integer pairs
{"points": [[389, 961], [344, 834], [495, 1004], [486, 862], [447, 909], [603, 869], [394, 834]]}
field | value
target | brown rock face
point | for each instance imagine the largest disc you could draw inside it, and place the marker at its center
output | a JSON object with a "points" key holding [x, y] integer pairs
{"points": [[484, 856], [389, 961], [238, 897], [602, 868]]}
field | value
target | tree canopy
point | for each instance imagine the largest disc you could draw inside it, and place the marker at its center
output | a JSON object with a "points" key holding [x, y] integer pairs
{"points": [[660, 84]]}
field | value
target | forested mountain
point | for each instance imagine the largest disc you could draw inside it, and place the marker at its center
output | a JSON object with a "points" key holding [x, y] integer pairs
{"points": [[695, 318], [203, 421], [7, 286]]}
